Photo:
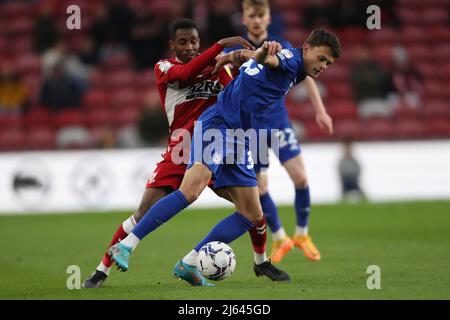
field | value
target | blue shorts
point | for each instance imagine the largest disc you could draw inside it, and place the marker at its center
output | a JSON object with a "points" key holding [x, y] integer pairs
{"points": [[285, 141], [227, 157]]}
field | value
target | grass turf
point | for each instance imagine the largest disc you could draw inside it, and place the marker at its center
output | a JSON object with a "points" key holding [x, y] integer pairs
{"points": [[410, 242]]}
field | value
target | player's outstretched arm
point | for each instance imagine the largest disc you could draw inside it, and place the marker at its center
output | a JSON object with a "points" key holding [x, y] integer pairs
{"points": [[322, 118], [194, 67]]}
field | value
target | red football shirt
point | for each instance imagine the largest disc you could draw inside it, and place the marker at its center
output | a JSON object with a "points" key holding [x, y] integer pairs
{"points": [[186, 90]]}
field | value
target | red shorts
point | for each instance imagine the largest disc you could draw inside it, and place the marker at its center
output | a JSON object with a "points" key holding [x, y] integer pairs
{"points": [[168, 174]]}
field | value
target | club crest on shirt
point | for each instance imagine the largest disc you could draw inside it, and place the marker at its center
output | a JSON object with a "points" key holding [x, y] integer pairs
{"points": [[285, 54]]}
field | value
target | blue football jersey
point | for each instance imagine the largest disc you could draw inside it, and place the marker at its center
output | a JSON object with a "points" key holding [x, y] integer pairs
{"points": [[257, 88]]}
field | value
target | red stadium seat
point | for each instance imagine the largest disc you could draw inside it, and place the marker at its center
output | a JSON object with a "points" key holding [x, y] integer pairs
{"points": [[98, 117], [438, 128], [419, 52], [28, 63], [117, 62], [406, 112], [12, 140], [385, 36], [342, 109], [21, 46], [378, 129], [70, 117], [434, 16], [144, 80], [120, 80], [341, 90], [347, 129], [124, 97], [301, 111], [439, 33], [314, 133], [408, 15], [16, 9], [38, 117], [18, 27], [353, 35], [96, 99], [98, 79], [338, 72], [412, 34], [409, 129], [125, 117], [437, 109], [11, 121]]}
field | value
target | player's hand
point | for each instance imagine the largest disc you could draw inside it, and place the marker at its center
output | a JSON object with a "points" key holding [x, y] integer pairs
{"points": [[271, 47], [236, 58], [235, 41], [221, 61], [325, 122], [268, 48]]}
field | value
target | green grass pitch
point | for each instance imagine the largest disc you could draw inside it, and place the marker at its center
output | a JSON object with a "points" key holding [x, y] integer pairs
{"points": [[410, 242]]}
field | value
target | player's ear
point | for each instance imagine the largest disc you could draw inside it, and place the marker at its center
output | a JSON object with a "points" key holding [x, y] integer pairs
{"points": [[306, 48], [172, 45]]}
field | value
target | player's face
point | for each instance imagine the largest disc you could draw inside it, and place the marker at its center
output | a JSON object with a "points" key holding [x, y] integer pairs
{"points": [[256, 20], [316, 59], [185, 44]]}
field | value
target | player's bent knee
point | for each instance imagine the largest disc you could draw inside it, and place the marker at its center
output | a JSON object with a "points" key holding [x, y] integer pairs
{"points": [[300, 180], [191, 193], [254, 217]]}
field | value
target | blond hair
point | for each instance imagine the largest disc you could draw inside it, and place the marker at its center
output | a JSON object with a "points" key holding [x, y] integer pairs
{"points": [[257, 4]]}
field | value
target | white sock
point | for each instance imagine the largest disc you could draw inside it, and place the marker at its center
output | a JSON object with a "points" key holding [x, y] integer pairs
{"points": [[101, 267], [301, 231], [259, 257], [131, 241], [129, 224], [280, 234], [191, 258]]}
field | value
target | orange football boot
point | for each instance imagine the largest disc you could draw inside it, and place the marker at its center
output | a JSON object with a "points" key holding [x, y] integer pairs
{"points": [[280, 248], [309, 249]]}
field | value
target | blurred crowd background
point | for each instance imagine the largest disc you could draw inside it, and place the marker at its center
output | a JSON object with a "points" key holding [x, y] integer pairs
{"points": [[95, 88]]}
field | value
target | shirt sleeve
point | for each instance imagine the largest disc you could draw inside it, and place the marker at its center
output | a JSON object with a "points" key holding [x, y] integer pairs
{"points": [[289, 62]]}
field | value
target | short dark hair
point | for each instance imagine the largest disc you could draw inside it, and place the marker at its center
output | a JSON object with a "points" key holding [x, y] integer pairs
{"points": [[322, 37], [181, 24]]}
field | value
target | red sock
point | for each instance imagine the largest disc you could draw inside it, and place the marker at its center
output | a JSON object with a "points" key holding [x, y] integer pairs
{"points": [[119, 235], [258, 235]]}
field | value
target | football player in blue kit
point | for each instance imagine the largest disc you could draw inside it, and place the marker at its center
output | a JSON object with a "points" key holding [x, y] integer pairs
{"points": [[256, 18], [266, 77]]}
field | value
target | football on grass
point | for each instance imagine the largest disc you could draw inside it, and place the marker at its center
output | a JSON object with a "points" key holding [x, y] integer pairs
{"points": [[216, 260]]}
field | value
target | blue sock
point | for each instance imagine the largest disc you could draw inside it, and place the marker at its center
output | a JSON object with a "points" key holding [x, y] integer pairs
{"points": [[227, 230], [302, 206], [160, 212], [270, 212]]}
